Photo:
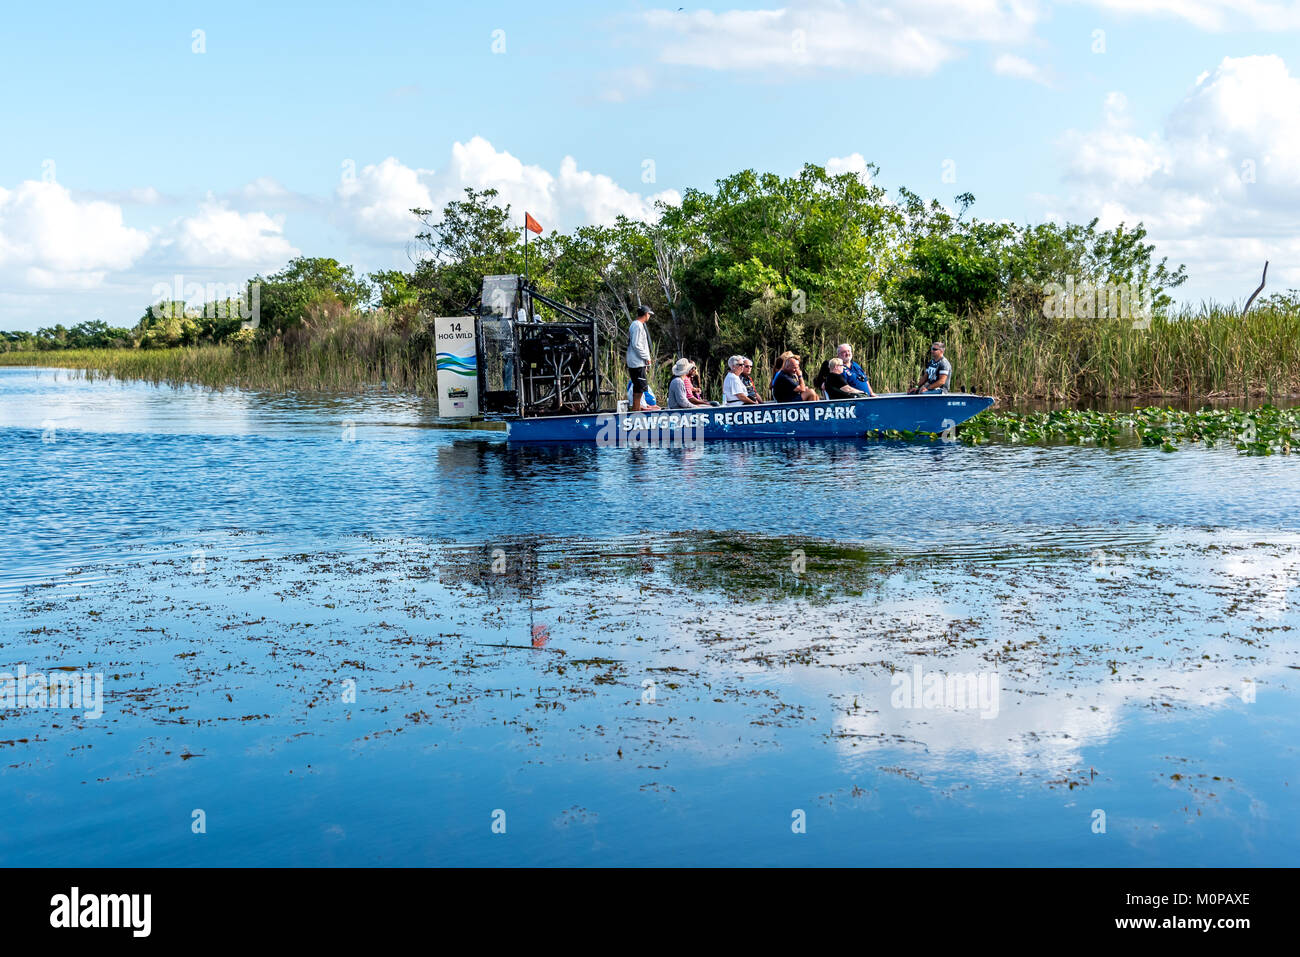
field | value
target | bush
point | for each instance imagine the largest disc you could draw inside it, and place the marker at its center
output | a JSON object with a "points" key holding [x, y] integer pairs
{"points": [[242, 340]]}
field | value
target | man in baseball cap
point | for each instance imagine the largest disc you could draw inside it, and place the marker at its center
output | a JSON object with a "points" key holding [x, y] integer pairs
{"points": [[638, 355]]}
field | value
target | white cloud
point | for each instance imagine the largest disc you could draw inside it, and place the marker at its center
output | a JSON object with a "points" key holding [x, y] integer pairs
{"points": [[133, 196], [377, 202], [1212, 15], [1018, 67], [219, 237], [915, 37], [1218, 186], [48, 238], [264, 189], [898, 37], [145, 196], [853, 163]]}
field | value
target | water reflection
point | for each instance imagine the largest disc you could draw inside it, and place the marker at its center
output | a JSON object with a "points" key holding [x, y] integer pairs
{"points": [[503, 607]]}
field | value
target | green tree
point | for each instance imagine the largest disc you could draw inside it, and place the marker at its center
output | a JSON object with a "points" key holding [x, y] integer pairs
{"points": [[766, 260], [472, 238], [306, 284]]}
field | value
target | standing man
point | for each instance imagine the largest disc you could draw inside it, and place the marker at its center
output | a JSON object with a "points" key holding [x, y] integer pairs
{"points": [[852, 371], [934, 378], [638, 355]]}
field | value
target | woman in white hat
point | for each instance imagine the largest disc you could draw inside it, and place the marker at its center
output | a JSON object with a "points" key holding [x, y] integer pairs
{"points": [[679, 390]]}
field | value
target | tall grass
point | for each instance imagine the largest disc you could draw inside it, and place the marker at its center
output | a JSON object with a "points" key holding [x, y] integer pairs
{"points": [[344, 354], [1203, 352]]}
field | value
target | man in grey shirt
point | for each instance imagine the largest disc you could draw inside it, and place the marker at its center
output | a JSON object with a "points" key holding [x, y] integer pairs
{"points": [[935, 376], [638, 355]]}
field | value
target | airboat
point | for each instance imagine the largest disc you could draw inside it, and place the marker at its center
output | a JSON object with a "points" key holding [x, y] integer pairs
{"points": [[541, 376]]}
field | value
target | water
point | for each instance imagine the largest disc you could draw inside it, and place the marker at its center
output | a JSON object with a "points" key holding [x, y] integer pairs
{"points": [[299, 603]]}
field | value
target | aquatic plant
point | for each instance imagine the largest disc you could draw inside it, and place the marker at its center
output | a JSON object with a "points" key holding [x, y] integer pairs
{"points": [[1266, 430]]}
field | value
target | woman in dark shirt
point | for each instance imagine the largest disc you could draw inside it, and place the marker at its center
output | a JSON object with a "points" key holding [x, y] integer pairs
{"points": [[836, 384]]}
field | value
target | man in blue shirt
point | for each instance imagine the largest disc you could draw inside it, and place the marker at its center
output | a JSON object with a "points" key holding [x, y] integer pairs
{"points": [[852, 371]]}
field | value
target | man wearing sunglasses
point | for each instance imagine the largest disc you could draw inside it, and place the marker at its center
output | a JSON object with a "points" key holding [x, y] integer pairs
{"points": [[935, 376]]}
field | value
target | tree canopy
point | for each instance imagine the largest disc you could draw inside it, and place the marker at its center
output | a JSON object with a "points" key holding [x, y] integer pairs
{"points": [[757, 264]]}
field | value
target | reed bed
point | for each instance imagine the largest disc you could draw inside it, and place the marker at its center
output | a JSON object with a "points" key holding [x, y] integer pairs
{"points": [[1209, 351], [347, 356]]}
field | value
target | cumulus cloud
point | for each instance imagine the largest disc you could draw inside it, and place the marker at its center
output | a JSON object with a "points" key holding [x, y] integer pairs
{"points": [[48, 238], [377, 201], [1218, 186], [219, 237]]}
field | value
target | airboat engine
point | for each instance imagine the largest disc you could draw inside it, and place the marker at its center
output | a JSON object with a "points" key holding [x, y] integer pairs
{"points": [[507, 361]]}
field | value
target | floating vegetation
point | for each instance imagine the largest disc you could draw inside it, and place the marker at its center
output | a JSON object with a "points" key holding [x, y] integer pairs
{"points": [[1267, 430]]}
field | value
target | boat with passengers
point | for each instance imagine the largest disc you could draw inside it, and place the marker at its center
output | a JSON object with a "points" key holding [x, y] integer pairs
{"points": [[541, 377]]}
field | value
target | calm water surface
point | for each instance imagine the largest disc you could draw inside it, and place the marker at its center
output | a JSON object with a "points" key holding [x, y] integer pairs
{"points": [[299, 606]]}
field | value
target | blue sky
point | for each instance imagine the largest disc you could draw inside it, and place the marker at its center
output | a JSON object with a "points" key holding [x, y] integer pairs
{"points": [[138, 150]]}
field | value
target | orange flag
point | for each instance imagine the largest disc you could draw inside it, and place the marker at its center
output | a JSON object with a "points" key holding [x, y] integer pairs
{"points": [[532, 224]]}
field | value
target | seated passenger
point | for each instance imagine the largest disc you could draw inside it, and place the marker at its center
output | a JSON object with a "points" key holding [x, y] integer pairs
{"points": [[836, 382], [746, 376], [935, 375], [648, 403], [819, 380], [780, 364], [733, 389], [693, 389], [852, 371], [680, 389], [789, 386]]}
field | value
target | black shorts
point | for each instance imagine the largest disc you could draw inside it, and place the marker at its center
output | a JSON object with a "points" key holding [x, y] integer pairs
{"points": [[639, 381]]}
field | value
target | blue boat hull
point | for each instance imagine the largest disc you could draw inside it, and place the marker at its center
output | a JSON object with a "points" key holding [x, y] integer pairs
{"points": [[841, 418]]}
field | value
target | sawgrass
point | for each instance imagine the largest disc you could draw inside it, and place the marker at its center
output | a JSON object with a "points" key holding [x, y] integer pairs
{"points": [[1210, 351]]}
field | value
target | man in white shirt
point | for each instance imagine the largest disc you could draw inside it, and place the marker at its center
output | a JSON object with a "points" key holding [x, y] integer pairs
{"points": [[638, 355], [734, 391]]}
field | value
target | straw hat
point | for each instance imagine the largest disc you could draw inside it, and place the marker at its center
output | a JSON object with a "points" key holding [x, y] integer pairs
{"points": [[682, 366]]}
